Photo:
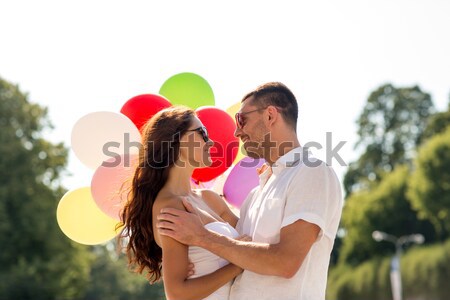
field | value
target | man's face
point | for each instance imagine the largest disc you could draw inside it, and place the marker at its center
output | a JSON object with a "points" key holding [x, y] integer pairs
{"points": [[253, 128]]}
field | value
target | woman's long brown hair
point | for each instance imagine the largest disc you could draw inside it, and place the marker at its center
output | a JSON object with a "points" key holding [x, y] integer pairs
{"points": [[161, 145]]}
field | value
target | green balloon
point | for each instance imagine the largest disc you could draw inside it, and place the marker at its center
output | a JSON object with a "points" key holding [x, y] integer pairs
{"points": [[188, 89]]}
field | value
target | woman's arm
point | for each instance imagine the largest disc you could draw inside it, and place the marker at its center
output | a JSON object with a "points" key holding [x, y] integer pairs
{"points": [[175, 267], [220, 206]]}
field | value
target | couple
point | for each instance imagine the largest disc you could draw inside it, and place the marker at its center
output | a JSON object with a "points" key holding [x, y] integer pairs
{"points": [[280, 246]]}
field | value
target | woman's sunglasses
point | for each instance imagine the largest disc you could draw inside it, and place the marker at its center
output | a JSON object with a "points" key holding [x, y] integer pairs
{"points": [[203, 132]]}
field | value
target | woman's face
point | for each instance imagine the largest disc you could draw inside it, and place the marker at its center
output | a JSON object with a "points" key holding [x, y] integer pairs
{"points": [[195, 145]]}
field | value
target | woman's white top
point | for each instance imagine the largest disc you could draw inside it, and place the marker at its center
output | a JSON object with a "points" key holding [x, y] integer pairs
{"points": [[206, 262]]}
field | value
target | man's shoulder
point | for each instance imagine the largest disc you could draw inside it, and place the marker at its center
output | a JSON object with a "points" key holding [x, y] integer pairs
{"points": [[312, 171]]}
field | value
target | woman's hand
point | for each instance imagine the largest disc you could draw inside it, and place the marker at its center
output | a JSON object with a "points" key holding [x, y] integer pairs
{"points": [[191, 269]]}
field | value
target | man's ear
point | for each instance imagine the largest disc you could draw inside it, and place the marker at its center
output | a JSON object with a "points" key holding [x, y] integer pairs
{"points": [[272, 113]]}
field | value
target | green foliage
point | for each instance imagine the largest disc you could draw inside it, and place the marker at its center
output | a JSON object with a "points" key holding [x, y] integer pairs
{"points": [[388, 193], [426, 272], [437, 123], [37, 261], [110, 279], [389, 128], [425, 275], [429, 187], [368, 281], [385, 208]]}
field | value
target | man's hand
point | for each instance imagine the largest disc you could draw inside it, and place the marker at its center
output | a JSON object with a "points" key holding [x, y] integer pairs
{"points": [[244, 238], [185, 227]]}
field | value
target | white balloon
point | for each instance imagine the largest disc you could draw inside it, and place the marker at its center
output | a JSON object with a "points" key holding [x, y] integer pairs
{"points": [[101, 135]]}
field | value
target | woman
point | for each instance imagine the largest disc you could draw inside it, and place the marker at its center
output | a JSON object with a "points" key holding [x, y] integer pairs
{"points": [[175, 142]]}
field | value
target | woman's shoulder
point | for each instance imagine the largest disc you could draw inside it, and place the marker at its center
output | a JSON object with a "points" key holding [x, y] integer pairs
{"points": [[165, 201]]}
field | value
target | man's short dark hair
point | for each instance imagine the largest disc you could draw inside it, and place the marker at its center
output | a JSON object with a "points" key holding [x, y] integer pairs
{"points": [[276, 94]]}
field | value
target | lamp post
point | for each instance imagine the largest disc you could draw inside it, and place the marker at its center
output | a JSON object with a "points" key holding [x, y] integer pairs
{"points": [[396, 280]]}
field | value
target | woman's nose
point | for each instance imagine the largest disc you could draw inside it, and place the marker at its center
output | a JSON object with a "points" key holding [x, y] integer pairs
{"points": [[237, 132]]}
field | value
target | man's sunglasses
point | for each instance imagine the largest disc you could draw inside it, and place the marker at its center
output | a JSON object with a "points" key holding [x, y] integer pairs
{"points": [[203, 132], [240, 120]]}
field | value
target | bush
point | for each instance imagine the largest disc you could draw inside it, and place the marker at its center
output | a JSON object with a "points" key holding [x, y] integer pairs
{"points": [[425, 275]]}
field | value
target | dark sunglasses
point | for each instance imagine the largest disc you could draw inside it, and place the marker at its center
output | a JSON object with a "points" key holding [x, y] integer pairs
{"points": [[240, 120], [203, 132]]}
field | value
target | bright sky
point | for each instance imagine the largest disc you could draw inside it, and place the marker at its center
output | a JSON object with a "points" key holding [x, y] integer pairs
{"points": [[78, 57]]}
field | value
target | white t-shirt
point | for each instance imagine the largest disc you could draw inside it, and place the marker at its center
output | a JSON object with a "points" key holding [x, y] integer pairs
{"points": [[301, 187]]}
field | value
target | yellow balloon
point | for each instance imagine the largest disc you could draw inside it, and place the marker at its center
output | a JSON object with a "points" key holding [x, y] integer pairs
{"points": [[241, 153], [232, 110], [82, 221]]}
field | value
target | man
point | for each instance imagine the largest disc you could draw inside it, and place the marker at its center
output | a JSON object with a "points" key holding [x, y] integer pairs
{"points": [[292, 217]]}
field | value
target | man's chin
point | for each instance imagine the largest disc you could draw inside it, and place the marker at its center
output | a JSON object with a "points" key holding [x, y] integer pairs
{"points": [[252, 153]]}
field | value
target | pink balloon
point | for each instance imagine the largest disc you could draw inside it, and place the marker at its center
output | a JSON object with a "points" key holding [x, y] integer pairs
{"points": [[241, 180], [111, 183]]}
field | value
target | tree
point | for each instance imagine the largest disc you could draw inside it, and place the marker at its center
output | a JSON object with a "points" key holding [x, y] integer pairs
{"points": [[429, 187], [389, 128], [37, 261], [386, 208], [438, 123]]}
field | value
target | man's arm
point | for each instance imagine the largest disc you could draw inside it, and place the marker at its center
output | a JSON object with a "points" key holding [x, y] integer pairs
{"points": [[281, 259]]}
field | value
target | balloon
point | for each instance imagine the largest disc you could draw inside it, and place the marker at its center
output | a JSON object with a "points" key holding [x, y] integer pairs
{"points": [[101, 135], [188, 89], [111, 183], [202, 185], [141, 108], [82, 221], [232, 110], [221, 131], [241, 154], [241, 180], [219, 182]]}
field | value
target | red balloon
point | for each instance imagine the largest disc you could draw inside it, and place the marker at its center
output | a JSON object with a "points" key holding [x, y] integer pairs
{"points": [[141, 108], [221, 131]]}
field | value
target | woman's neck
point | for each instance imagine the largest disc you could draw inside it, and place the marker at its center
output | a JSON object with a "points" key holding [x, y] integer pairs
{"points": [[179, 181]]}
